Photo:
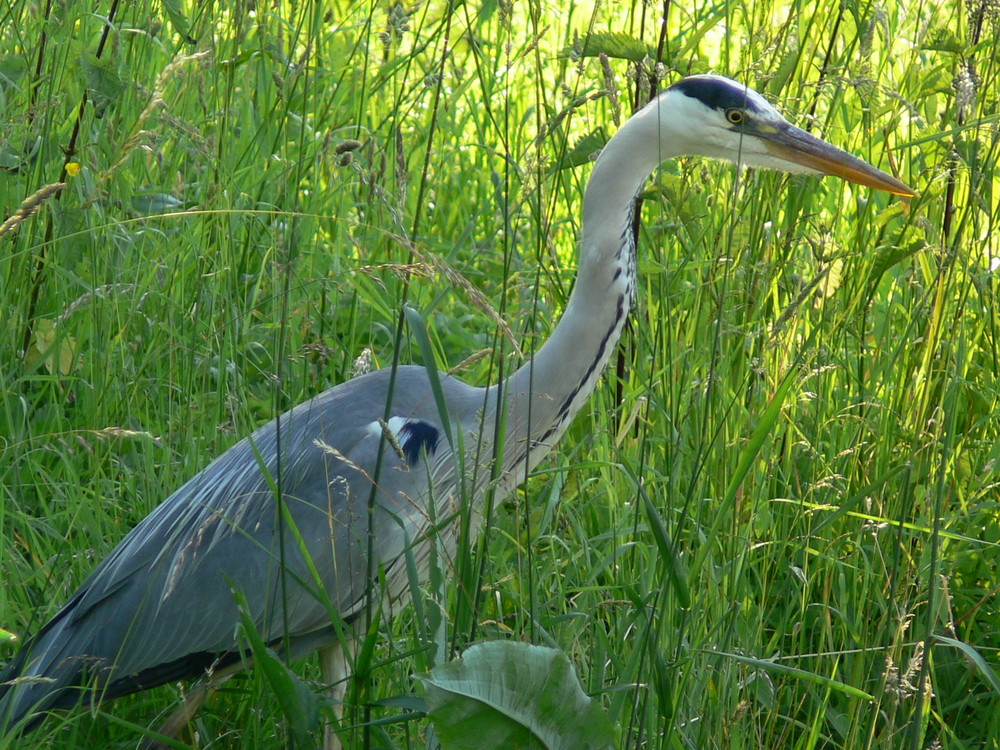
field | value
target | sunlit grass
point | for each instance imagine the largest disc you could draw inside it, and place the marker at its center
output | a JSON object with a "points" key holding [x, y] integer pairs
{"points": [[216, 257]]}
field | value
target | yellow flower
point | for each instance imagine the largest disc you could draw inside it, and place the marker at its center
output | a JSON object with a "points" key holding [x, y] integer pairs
{"points": [[72, 169]]}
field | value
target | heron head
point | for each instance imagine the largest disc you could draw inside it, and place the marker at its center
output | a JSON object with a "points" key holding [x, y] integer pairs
{"points": [[709, 115]]}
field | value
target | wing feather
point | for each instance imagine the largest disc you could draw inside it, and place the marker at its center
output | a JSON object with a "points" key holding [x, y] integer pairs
{"points": [[162, 605]]}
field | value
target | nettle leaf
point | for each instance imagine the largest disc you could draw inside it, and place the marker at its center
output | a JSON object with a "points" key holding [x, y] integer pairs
{"points": [[614, 45], [101, 75], [13, 68], [513, 695], [943, 40], [175, 12], [584, 150], [103, 79], [57, 349]]}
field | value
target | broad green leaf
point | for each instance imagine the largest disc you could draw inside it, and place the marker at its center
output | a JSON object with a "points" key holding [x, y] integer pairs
{"points": [[584, 149], [886, 257], [175, 12], [513, 695], [943, 40], [615, 45], [101, 76], [57, 349], [13, 69]]}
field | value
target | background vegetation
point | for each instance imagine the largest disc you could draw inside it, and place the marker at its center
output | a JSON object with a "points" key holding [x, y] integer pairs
{"points": [[776, 523]]}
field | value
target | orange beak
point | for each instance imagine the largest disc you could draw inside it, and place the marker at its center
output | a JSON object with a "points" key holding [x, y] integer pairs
{"points": [[795, 145]]}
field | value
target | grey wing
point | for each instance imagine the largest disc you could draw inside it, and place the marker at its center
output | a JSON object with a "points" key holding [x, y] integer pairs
{"points": [[163, 605]]}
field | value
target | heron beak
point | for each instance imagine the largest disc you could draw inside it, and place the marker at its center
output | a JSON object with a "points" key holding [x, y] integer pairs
{"points": [[797, 146]]}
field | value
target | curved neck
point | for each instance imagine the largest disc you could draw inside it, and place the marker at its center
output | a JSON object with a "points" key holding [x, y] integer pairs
{"points": [[543, 396]]}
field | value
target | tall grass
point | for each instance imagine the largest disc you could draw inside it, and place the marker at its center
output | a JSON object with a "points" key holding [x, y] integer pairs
{"points": [[776, 523]]}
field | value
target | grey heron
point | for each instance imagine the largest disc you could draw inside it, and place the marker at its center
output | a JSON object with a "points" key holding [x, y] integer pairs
{"points": [[302, 519]]}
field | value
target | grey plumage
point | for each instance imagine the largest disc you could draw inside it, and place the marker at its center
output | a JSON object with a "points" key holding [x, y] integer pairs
{"points": [[162, 606]]}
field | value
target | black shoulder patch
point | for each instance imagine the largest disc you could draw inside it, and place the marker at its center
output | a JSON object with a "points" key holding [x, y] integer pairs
{"points": [[415, 437], [716, 93]]}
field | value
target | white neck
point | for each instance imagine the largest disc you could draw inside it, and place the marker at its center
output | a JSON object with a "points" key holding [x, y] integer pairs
{"points": [[562, 375]]}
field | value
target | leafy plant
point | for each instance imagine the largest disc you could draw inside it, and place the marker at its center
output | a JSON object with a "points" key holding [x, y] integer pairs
{"points": [[776, 522], [502, 694]]}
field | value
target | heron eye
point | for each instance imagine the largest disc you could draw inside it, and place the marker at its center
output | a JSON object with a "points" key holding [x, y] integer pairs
{"points": [[735, 116]]}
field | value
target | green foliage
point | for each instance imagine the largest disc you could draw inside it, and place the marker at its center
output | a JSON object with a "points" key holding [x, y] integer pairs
{"points": [[776, 523], [513, 695], [299, 704], [617, 45]]}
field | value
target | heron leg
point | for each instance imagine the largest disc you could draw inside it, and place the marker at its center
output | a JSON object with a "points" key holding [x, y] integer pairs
{"points": [[334, 666], [336, 669], [194, 700]]}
